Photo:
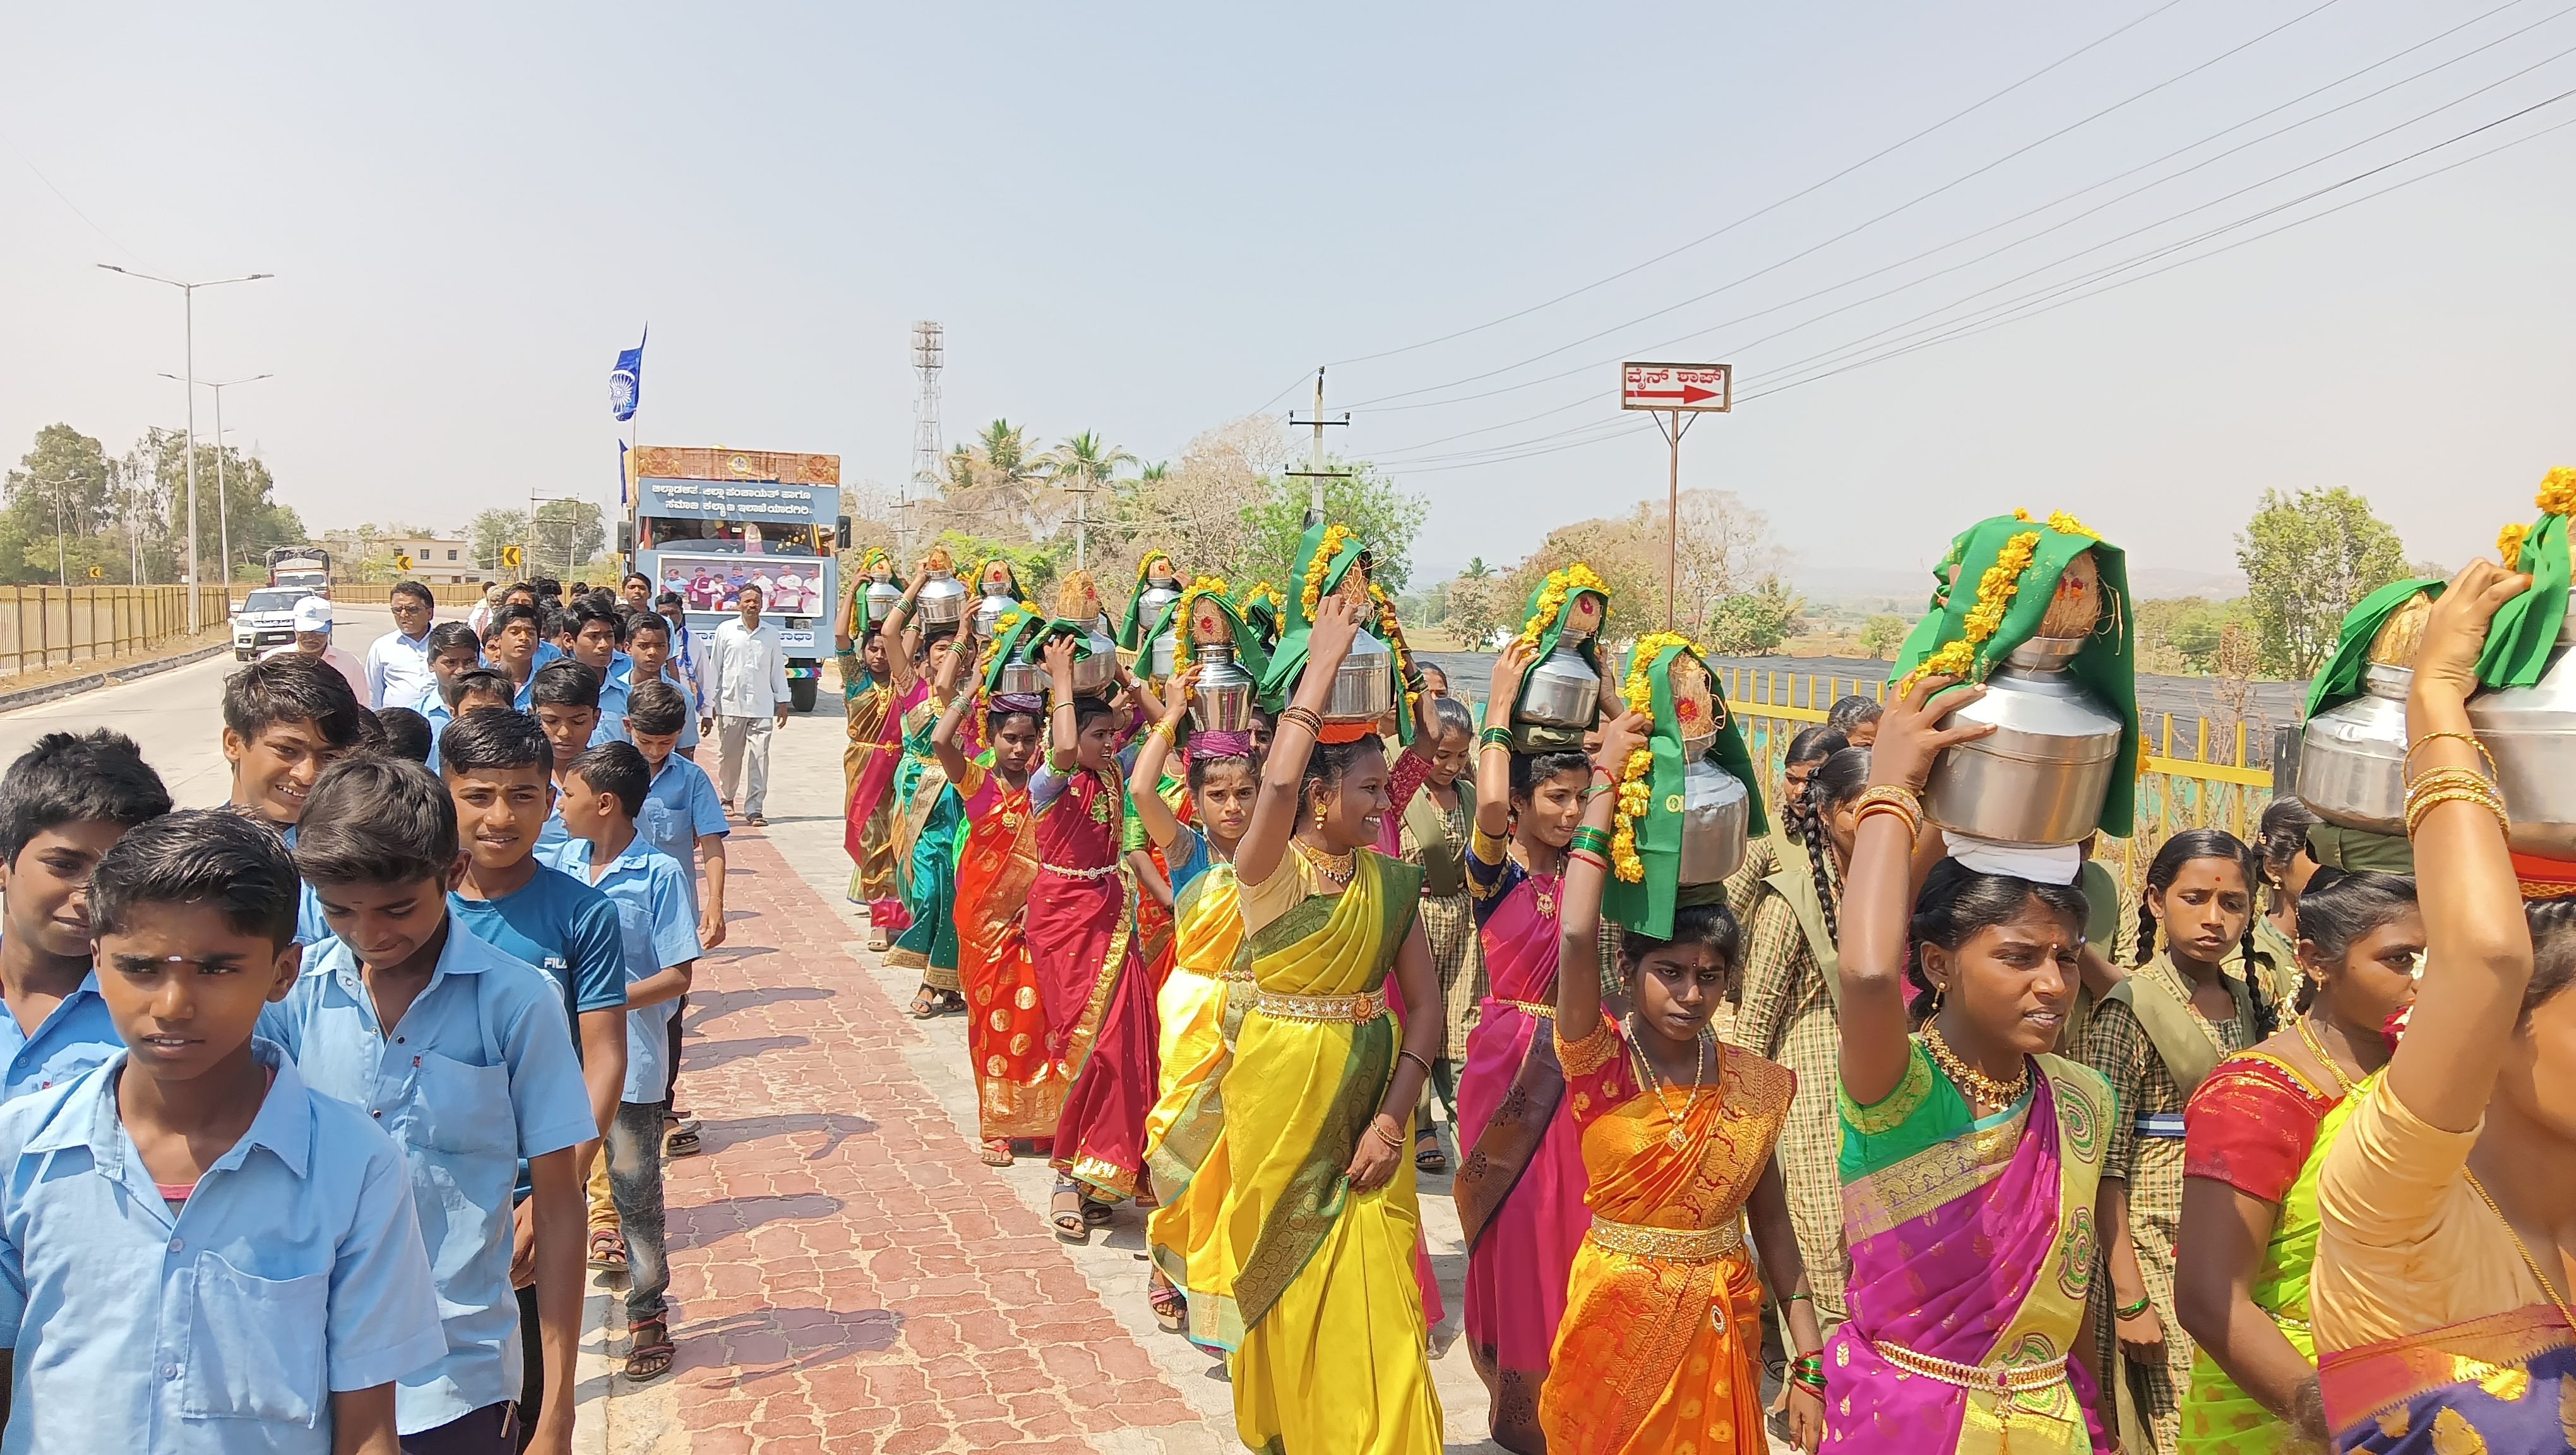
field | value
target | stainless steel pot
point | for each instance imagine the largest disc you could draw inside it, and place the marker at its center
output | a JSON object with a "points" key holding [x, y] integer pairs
{"points": [[883, 598], [942, 600], [1159, 593], [1560, 698], [1365, 686], [1223, 701], [1095, 665], [1024, 678], [2532, 732], [2041, 776], [2352, 758], [988, 611], [1162, 656], [1717, 814]]}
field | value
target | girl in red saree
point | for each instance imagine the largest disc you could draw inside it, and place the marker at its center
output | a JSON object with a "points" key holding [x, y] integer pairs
{"points": [[1019, 1088], [1971, 1154], [2448, 1205], [1660, 1346], [1091, 979], [874, 707]]}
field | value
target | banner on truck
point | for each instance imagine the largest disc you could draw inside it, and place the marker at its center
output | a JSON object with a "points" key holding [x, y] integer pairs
{"points": [[789, 585]]}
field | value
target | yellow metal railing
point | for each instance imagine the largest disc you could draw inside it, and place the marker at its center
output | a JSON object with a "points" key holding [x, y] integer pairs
{"points": [[2180, 784], [49, 626]]}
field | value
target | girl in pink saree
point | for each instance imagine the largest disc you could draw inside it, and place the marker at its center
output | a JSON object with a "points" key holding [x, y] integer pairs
{"points": [[1970, 1153]]}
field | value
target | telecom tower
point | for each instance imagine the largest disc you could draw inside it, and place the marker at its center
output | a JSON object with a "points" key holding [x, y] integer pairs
{"points": [[929, 353]]}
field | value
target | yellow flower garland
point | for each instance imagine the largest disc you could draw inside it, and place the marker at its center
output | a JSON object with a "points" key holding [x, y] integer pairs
{"points": [[1263, 591], [1335, 536], [1188, 655], [1002, 626], [1636, 794], [1576, 577], [2067, 525], [1393, 632], [2509, 544], [1995, 591], [2558, 491]]}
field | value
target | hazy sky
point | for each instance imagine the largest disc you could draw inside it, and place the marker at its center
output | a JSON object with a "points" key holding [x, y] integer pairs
{"points": [[1147, 220]]}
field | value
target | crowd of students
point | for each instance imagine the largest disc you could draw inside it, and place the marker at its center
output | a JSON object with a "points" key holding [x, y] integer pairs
{"points": [[1954, 1146], [318, 1105]]}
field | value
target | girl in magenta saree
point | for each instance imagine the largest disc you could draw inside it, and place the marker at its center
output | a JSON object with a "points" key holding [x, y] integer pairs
{"points": [[1520, 1189], [1970, 1155]]}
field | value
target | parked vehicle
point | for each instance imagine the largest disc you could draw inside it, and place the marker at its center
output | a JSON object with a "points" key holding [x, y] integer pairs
{"points": [[708, 522], [265, 619], [305, 567]]}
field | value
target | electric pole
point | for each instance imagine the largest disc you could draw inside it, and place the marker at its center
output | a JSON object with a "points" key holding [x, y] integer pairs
{"points": [[1315, 474]]}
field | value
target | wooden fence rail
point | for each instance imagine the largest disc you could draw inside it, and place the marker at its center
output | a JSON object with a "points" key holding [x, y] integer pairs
{"points": [[44, 626]]}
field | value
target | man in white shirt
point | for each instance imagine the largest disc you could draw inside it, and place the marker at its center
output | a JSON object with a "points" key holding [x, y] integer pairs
{"points": [[742, 698], [313, 639], [398, 672]]}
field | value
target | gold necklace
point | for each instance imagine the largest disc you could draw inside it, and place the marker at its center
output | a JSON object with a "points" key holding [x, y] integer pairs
{"points": [[2519, 1246], [1967, 1078], [2317, 1049], [1337, 867], [1679, 1137]]}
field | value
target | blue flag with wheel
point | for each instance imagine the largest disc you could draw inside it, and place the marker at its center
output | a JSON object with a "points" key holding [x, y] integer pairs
{"points": [[626, 381]]}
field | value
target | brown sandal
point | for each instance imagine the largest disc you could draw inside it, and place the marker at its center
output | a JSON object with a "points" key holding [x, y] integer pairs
{"points": [[1067, 1211], [649, 1356], [608, 1250], [1171, 1307], [997, 1152]]}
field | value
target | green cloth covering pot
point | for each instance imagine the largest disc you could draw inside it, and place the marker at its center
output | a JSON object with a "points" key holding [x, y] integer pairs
{"points": [[2351, 849], [1249, 652], [2519, 643], [1128, 624], [861, 618], [1288, 657], [975, 583], [2107, 666], [1647, 905], [1553, 631], [1017, 638], [2340, 680], [1258, 613]]}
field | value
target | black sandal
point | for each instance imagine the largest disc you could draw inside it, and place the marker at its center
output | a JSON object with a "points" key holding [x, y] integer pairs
{"points": [[1428, 1155], [650, 1356]]}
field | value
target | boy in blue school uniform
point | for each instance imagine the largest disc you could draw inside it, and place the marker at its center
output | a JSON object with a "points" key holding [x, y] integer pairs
{"points": [[65, 802], [285, 720], [495, 766], [463, 1055], [514, 646], [564, 699], [599, 642], [685, 819], [198, 1251], [649, 660], [651, 893]]}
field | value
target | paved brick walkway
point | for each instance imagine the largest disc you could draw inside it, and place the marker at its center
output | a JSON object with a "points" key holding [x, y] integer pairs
{"points": [[847, 1276]]}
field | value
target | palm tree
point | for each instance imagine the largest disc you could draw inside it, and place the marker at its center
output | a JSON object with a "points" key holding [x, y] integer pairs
{"points": [[1080, 466], [1155, 473]]}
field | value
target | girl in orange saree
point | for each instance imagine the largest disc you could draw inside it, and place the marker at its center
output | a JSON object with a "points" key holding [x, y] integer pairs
{"points": [[1019, 1089], [874, 716], [1661, 1342]]}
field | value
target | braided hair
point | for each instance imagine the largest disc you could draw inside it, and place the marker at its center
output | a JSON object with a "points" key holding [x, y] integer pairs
{"points": [[2187, 847], [2283, 837], [1836, 781]]}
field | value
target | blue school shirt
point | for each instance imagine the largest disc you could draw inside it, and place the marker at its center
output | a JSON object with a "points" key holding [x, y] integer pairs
{"points": [[439, 715], [563, 927], [679, 806], [658, 921], [77, 1035], [295, 1270], [311, 927], [479, 1073], [612, 713]]}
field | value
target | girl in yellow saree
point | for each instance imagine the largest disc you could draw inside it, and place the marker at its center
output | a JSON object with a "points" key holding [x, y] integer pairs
{"points": [[1320, 1218], [1660, 1345]]}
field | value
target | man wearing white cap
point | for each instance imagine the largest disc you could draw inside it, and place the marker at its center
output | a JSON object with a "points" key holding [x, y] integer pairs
{"points": [[313, 638]]}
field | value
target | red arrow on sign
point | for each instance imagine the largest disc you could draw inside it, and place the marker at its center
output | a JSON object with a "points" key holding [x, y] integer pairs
{"points": [[1687, 394]]}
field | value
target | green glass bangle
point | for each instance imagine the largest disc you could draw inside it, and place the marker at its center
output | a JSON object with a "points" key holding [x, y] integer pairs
{"points": [[1590, 838], [1495, 737], [2133, 1310]]}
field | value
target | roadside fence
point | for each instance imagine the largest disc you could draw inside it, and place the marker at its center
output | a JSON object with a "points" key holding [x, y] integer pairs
{"points": [[45, 626]]}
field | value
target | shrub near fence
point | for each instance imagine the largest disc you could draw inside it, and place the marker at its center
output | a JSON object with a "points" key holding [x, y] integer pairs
{"points": [[44, 626], [2192, 789]]}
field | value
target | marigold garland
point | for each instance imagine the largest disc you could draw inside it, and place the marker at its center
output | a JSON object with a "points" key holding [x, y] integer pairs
{"points": [[1560, 585], [2509, 544], [1188, 656], [1995, 591], [1636, 795], [2558, 492], [2067, 525], [1263, 591], [1145, 567], [1335, 536], [1002, 626], [1392, 631]]}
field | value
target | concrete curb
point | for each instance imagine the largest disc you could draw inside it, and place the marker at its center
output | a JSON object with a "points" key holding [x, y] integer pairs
{"points": [[73, 687]]}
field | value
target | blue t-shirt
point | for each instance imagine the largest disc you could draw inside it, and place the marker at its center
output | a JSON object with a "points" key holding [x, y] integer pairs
{"points": [[563, 927], [679, 807], [659, 924]]}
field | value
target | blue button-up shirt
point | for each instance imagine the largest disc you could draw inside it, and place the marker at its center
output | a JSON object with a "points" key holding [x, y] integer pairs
{"points": [[435, 708], [658, 921], [292, 1272], [77, 1035], [398, 669], [612, 713], [679, 806], [479, 1073]]}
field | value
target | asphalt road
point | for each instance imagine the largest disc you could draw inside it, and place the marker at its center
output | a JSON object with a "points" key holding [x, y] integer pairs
{"points": [[177, 717]]}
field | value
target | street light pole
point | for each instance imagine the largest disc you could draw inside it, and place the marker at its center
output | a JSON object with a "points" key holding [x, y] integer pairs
{"points": [[223, 515], [188, 295]]}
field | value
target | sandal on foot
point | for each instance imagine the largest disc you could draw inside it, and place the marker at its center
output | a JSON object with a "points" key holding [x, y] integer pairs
{"points": [[1171, 1308], [1070, 1214], [756, 821], [650, 1355], [1095, 1214], [878, 941], [997, 1152], [925, 1002], [683, 1142], [1428, 1155], [608, 1250]]}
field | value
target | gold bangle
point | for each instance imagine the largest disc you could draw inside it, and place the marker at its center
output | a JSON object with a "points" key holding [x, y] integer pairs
{"points": [[1913, 822], [1377, 1128], [2433, 778], [1304, 717], [1165, 730], [2488, 801], [1416, 1059], [2457, 782], [1896, 795], [2408, 762]]}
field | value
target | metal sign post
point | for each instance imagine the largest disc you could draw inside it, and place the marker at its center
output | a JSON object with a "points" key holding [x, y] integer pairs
{"points": [[1670, 392]]}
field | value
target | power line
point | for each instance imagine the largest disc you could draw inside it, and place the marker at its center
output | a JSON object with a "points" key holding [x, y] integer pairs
{"points": [[1864, 225], [1768, 208]]}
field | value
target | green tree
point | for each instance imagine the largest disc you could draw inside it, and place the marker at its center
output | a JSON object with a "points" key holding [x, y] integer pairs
{"points": [[2307, 558], [1881, 635], [1375, 507], [1036, 565], [1754, 623], [1476, 608], [60, 503], [490, 530], [564, 534]]}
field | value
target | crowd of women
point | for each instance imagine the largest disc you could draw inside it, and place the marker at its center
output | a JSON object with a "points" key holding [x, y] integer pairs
{"points": [[1944, 1141]]}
